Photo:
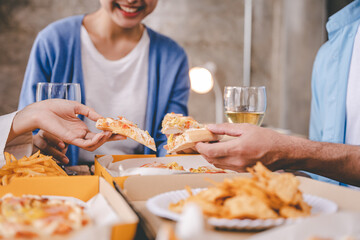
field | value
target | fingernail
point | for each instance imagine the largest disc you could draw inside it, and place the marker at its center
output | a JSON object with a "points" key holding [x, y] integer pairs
{"points": [[61, 145], [65, 160]]}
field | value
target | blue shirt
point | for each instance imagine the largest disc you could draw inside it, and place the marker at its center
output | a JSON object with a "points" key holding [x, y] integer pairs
{"points": [[330, 77], [56, 57]]}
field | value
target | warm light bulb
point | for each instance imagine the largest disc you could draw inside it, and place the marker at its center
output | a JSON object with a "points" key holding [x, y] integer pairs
{"points": [[201, 80]]}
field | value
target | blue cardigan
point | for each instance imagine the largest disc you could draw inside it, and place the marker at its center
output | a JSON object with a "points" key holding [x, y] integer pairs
{"points": [[56, 57]]}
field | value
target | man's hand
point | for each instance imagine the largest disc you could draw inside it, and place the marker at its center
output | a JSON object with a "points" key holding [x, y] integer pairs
{"points": [[251, 144], [60, 126]]}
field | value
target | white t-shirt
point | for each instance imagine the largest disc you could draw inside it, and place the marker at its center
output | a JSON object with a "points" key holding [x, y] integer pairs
{"points": [[115, 88], [353, 96], [352, 135]]}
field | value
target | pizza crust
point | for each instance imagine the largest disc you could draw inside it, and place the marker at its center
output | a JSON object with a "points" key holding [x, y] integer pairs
{"points": [[189, 138]]}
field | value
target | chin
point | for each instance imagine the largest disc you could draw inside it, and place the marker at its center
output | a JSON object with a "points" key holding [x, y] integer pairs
{"points": [[127, 24]]}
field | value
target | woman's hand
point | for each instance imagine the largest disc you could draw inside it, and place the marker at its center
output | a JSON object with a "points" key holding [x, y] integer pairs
{"points": [[60, 125]]}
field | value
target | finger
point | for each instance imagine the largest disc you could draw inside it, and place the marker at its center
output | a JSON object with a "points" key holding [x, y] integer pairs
{"points": [[60, 156], [229, 167], [215, 150], [179, 152], [87, 112], [100, 142], [52, 140], [65, 149], [188, 151], [231, 129], [90, 139], [225, 163], [116, 137], [49, 150]]}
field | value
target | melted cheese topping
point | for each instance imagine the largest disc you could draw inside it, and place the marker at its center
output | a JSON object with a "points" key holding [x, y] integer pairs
{"points": [[179, 122], [34, 216], [128, 128], [172, 165]]}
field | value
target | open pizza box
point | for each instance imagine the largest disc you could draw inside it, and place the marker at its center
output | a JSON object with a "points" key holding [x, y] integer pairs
{"points": [[83, 188], [118, 168]]}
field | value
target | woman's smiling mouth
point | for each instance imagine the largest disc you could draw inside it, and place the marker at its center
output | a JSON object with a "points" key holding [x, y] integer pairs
{"points": [[129, 11]]}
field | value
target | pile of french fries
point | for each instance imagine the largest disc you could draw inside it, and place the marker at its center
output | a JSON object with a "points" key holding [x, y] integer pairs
{"points": [[264, 196], [33, 166]]}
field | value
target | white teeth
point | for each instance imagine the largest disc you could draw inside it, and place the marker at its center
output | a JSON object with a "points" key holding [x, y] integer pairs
{"points": [[129, 10]]}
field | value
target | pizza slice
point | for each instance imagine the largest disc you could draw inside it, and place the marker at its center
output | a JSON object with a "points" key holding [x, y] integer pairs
{"points": [[188, 139], [177, 123], [184, 132], [126, 128], [172, 165], [207, 169], [38, 217]]}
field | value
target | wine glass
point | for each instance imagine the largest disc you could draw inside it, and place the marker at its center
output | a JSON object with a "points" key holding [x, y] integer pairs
{"points": [[245, 104], [68, 91]]}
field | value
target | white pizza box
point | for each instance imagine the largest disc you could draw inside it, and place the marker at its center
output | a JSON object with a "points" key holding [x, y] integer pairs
{"points": [[132, 166], [119, 167]]}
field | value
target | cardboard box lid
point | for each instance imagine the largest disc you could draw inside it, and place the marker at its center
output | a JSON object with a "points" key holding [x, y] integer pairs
{"points": [[141, 188], [81, 187]]}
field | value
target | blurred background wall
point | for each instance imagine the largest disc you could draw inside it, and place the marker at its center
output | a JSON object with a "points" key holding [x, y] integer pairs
{"points": [[286, 35]]}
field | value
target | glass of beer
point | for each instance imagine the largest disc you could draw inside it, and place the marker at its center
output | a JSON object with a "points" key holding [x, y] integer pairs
{"points": [[245, 104]]}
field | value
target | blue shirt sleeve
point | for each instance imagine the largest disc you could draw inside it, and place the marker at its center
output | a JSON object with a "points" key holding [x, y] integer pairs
{"points": [[315, 116], [37, 70]]}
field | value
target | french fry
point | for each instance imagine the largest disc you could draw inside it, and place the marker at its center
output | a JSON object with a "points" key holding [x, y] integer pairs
{"points": [[12, 158], [7, 157], [36, 165], [35, 155], [4, 180]]}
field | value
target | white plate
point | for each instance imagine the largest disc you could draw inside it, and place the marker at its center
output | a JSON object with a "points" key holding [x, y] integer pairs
{"points": [[159, 204]]}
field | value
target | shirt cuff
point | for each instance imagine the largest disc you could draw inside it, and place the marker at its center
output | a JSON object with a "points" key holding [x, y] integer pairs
{"points": [[20, 146]]}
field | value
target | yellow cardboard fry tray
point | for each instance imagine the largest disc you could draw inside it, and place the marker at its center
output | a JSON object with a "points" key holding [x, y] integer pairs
{"points": [[83, 188]]}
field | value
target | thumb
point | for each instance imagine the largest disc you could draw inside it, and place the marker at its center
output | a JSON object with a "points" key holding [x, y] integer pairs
{"points": [[231, 129]]}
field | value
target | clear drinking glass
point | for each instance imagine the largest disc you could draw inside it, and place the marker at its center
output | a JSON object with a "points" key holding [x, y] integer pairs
{"points": [[245, 104], [69, 91]]}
